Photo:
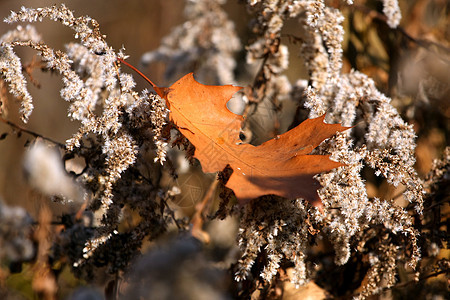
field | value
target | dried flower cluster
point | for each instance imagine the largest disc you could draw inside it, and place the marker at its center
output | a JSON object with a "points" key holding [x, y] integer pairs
{"points": [[12, 68], [386, 144], [111, 113], [123, 134], [206, 43]]}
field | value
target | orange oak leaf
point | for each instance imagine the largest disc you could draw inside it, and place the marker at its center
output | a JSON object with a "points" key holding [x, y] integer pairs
{"points": [[280, 166]]}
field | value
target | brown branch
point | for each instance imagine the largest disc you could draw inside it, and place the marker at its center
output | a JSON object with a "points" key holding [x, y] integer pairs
{"points": [[424, 43], [28, 69], [446, 200], [36, 135], [435, 274], [197, 220]]}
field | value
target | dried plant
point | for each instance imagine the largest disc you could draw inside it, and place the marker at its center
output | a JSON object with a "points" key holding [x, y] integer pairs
{"points": [[124, 136], [206, 41], [115, 122]]}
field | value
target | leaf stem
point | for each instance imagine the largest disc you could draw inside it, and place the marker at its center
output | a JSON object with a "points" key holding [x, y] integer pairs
{"points": [[137, 71]]}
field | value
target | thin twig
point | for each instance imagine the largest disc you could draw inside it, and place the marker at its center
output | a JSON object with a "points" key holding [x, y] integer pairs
{"points": [[421, 279], [197, 220], [426, 44], [21, 129]]}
